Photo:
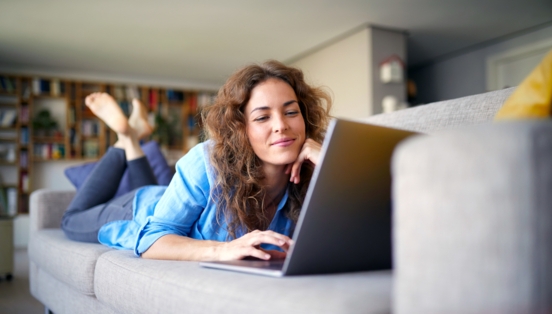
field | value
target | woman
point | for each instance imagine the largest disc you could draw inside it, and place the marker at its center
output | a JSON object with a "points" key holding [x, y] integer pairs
{"points": [[265, 130]]}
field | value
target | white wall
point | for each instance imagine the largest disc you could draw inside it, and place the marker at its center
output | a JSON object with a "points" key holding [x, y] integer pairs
{"points": [[342, 67], [49, 175], [349, 68], [45, 174], [466, 74]]}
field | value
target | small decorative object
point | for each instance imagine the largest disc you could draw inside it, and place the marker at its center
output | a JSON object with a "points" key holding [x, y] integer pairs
{"points": [[44, 124], [392, 70], [391, 103]]}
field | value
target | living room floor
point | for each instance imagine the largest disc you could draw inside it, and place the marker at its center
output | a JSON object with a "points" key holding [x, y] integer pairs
{"points": [[15, 297]]}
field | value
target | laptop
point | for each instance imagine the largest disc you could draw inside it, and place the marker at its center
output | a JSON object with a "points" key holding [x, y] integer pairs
{"points": [[345, 221]]}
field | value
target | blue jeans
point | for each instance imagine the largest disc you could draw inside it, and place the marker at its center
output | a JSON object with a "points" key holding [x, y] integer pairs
{"points": [[93, 206]]}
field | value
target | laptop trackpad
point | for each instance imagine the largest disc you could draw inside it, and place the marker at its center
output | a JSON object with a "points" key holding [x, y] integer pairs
{"points": [[260, 267]]}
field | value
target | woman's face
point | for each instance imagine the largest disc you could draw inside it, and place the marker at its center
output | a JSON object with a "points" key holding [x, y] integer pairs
{"points": [[275, 125]]}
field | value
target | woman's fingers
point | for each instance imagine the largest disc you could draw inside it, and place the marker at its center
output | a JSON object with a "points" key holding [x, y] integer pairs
{"points": [[311, 152], [249, 245], [276, 255], [256, 238], [288, 169]]}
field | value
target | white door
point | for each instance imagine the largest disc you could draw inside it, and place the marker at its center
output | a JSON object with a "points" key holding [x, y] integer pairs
{"points": [[510, 68]]}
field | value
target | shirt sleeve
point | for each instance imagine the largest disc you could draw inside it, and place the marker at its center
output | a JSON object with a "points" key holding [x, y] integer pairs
{"points": [[183, 202]]}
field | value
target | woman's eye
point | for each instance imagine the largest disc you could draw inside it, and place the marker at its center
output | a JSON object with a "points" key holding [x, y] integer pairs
{"points": [[292, 113], [261, 118]]}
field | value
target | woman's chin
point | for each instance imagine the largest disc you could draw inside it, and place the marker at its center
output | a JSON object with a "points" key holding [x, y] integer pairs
{"points": [[281, 161]]}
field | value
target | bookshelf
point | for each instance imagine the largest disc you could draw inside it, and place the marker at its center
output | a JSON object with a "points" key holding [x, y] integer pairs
{"points": [[12, 147], [45, 119]]}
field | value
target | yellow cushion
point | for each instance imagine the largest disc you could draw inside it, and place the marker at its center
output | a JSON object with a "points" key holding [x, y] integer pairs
{"points": [[533, 97]]}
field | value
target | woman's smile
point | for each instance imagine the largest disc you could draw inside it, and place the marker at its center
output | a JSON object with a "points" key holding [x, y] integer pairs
{"points": [[284, 142]]}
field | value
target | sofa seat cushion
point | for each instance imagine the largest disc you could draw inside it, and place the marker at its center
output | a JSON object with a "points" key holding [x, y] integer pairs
{"points": [[68, 261], [135, 285]]}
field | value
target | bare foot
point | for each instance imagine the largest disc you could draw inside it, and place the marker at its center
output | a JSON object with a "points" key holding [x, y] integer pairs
{"points": [[138, 119], [107, 109]]}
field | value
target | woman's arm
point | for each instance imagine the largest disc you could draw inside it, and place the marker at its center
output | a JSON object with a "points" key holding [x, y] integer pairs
{"points": [[175, 247], [167, 233]]}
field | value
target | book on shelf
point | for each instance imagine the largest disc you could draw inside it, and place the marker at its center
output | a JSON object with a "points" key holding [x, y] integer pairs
{"points": [[204, 99], [132, 92], [49, 151], [72, 136], [7, 152], [193, 103], [24, 136], [24, 182], [3, 202], [51, 87], [174, 96], [40, 86], [23, 159], [118, 92], [11, 201], [24, 114], [57, 151], [72, 91], [55, 87], [191, 122], [153, 100], [25, 89], [90, 127], [7, 84], [124, 104], [72, 116], [8, 117], [90, 149]]}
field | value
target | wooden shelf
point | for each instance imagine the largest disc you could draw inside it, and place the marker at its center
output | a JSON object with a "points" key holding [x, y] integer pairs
{"points": [[174, 105], [54, 140], [46, 96], [38, 159]]}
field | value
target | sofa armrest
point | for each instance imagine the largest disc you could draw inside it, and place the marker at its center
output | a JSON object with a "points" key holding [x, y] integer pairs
{"points": [[473, 220], [47, 208]]}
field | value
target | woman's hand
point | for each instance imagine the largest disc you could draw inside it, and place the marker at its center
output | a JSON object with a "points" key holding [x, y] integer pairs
{"points": [[249, 246], [311, 152]]}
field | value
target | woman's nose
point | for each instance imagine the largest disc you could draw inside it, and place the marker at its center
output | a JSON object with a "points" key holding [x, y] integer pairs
{"points": [[280, 124]]}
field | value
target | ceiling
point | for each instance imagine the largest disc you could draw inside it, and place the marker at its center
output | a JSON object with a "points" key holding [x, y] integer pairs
{"points": [[200, 43]]}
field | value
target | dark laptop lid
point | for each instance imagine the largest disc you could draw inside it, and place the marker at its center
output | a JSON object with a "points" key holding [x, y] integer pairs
{"points": [[345, 224]]}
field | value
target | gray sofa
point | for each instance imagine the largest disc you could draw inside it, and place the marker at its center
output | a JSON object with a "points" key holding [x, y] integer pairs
{"points": [[472, 233]]}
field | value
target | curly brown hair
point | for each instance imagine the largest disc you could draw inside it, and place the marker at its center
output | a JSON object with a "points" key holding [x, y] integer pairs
{"points": [[238, 185]]}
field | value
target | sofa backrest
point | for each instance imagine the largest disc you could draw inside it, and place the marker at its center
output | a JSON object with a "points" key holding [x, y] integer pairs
{"points": [[445, 115]]}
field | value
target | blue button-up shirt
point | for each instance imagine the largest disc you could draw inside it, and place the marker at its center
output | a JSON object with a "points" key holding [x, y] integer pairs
{"points": [[186, 207]]}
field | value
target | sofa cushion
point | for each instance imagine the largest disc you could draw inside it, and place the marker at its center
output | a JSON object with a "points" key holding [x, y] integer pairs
{"points": [[59, 297], [154, 286], [68, 261], [473, 221]]}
